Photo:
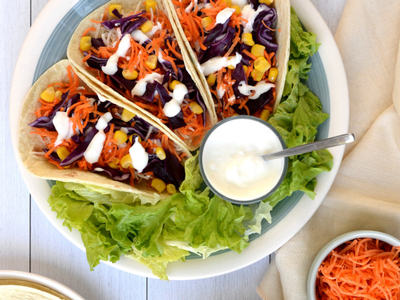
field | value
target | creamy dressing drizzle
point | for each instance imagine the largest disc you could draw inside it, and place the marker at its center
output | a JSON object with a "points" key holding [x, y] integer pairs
{"points": [[112, 63], [224, 15], [95, 147], [139, 156], [259, 89], [139, 36], [217, 63], [173, 107], [140, 87], [250, 14], [63, 126]]}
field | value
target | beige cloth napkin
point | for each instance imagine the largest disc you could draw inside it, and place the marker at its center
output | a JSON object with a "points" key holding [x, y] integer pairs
{"points": [[366, 192]]}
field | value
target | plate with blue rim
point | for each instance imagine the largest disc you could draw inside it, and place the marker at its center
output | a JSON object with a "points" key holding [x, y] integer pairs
{"points": [[47, 43]]}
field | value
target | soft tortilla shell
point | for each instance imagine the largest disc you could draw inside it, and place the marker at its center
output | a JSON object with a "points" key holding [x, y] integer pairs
{"points": [[75, 56], [30, 145], [33, 285], [282, 55]]}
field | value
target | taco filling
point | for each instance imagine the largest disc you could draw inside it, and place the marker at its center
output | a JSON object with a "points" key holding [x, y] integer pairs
{"points": [[136, 54], [235, 46], [83, 130]]}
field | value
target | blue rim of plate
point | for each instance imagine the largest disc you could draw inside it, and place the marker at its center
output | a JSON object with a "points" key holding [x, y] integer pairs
{"points": [[55, 50]]}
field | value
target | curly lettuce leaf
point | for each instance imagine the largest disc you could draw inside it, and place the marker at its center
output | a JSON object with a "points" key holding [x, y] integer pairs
{"points": [[298, 117], [153, 234]]}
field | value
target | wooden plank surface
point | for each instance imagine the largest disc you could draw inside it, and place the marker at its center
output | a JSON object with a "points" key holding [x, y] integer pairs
{"points": [[14, 197], [30, 243]]}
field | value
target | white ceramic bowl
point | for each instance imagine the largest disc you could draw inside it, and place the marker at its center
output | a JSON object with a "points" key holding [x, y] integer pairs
{"points": [[312, 275], [41, 280]]}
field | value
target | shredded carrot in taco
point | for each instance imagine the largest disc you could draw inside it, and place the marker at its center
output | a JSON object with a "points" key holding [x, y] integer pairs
{"points": [[83, 112]]}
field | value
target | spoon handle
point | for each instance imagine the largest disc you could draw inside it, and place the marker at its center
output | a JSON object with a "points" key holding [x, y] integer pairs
{"points": [[322, 144]]}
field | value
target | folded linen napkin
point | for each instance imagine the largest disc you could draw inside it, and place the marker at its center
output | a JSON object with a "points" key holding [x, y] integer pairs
{"points": [[366, 192]]}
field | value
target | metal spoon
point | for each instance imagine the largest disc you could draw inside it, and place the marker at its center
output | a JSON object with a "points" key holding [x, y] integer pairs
{"points": [[322, 144]]}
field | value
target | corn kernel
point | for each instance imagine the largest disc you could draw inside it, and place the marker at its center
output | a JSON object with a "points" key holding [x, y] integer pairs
{"points": [[63, 152], [147, 26], [48, 94], [58, 94], [245, 68], [130, 75], [257, 75], [196, 108], [261, 64], [247, 39], [211, 79], [85, 43], [150, 5], [160, 153], [171, 189], [258, 50], [237, 9], [228, 2], [265, 114], [120, 137], [151, 62], [268, 2], [173, 84], [273, 74], [127, 115], [133, 137], [112, 7], [158, 184], [126, 161], [114, 163], [205, 22]]}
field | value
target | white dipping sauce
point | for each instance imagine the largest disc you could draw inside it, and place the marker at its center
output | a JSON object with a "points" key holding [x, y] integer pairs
{"points": [[232, 159]]}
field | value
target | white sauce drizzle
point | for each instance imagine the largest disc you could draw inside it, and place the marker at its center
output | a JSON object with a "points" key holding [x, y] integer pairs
{"points": [[239, 3], [154, 30], [111, 67], [139, 156], [180, 92], [63, 126], [217, 63], [259, 89], [250, 14], [172, 108], [95, 147], [224, 15], [140, 87], [139, 36]]}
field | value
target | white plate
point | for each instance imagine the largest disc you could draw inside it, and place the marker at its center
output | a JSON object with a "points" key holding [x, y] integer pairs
{"points": [[329, 83], [47, 282]]}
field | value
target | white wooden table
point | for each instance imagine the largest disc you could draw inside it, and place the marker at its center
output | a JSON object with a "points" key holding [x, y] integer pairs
{"points": [[28, 241]]}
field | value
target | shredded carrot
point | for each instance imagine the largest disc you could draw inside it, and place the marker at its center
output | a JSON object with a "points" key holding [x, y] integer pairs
{"points": [[364, 268], [253, 57], [87, 31]]}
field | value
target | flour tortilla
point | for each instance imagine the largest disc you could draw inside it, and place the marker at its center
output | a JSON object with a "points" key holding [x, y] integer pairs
{"points": [[21, 289], [282, 56], [31, 146], [75, 56]]}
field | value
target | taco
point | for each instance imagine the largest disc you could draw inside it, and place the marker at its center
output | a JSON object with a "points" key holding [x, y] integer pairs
{"points": [[240, 49], [69, 133], [128, 49]]}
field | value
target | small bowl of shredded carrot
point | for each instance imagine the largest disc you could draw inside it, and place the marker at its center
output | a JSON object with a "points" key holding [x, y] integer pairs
{"points": [[361, 264]]}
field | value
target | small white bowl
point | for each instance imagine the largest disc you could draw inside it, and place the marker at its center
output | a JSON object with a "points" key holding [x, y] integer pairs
{"points": [[241, 124], [40, 280], [312, 274]]}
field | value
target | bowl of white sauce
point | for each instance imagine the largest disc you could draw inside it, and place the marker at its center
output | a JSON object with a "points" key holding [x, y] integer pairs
{"points": [[231, 163]]}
